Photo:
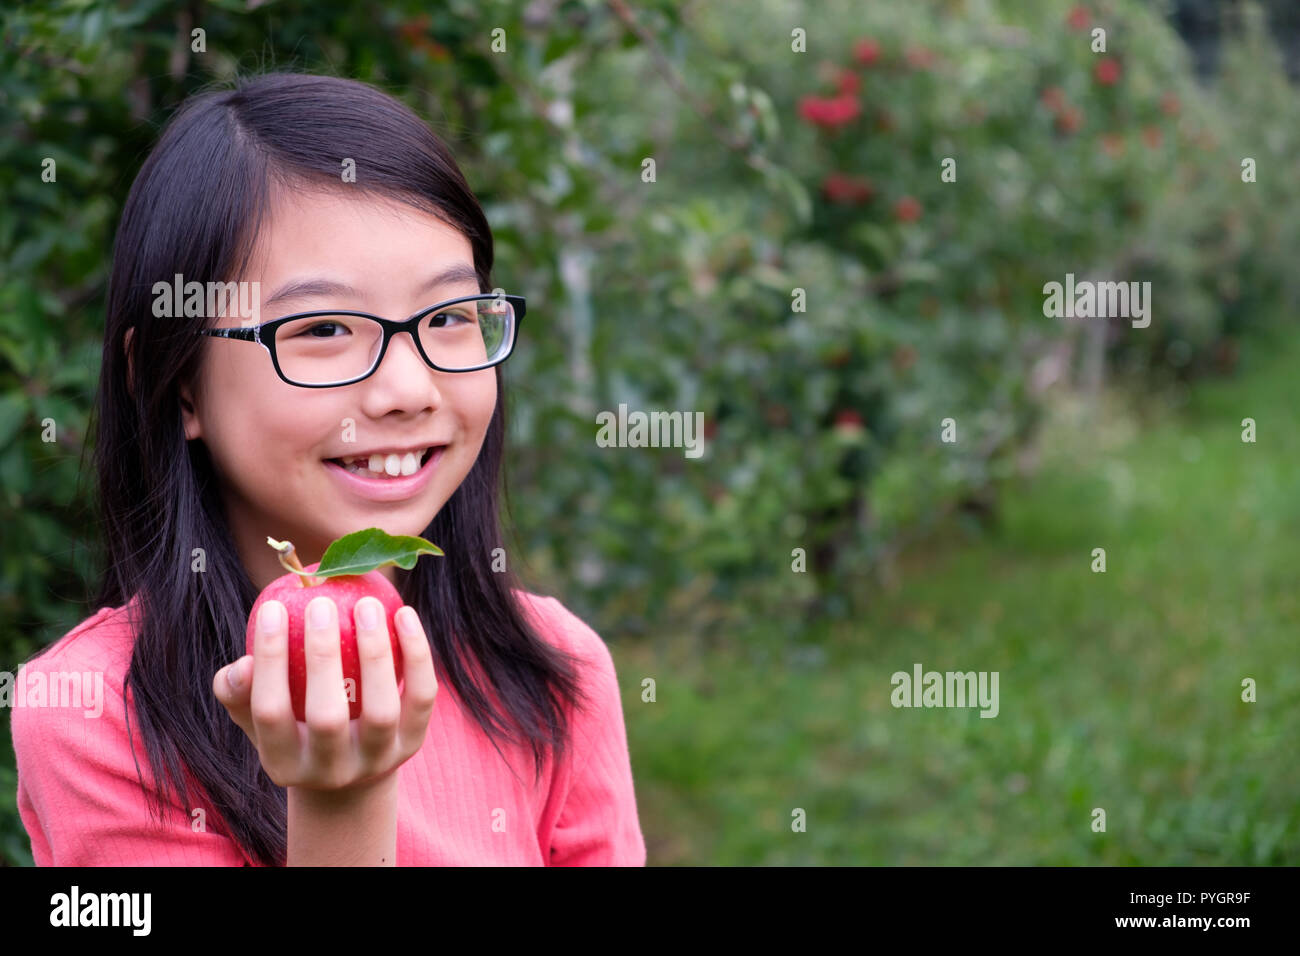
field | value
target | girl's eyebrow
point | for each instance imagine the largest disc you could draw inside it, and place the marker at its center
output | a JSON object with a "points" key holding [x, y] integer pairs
{"points": [[325, 287]]}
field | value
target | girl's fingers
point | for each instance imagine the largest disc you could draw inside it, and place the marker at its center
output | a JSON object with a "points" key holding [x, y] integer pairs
{"points": [[329, 750], [234, 696], [275, 732], [380, 708], [420, 684], [327, 710]]}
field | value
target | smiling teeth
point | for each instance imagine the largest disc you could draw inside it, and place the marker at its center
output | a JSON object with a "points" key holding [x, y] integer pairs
{"points": [[390, 466]]}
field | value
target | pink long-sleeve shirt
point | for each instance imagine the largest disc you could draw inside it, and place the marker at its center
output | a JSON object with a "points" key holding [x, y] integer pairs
{"points": [[458, 803]]}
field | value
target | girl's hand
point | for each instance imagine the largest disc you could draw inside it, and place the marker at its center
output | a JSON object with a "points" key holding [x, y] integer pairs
{"points": [[329, 751]]}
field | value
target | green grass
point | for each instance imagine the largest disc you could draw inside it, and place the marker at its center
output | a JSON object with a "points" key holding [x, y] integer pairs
{"points": [[1119, 690]]}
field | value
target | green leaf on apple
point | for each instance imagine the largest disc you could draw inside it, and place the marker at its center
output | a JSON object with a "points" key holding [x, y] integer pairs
{"points": [[363, 551], [372, 548]]}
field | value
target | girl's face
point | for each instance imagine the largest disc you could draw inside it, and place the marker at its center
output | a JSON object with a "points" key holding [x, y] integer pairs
{"points": [[270, 440]]}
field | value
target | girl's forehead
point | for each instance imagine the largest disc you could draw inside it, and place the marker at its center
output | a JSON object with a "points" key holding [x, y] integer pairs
{"points": [[342, 204], [350, 231]]}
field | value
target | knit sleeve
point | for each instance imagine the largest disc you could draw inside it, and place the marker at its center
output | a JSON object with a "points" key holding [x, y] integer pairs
{"points": [[598, 825], [79, 795]]}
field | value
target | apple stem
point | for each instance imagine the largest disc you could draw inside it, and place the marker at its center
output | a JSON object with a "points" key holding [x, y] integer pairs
{"points": [[289, 560]]}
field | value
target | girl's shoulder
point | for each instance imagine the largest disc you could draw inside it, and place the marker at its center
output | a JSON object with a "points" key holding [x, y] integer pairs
{"points": [[561, 627], [101, 642], [566, 631]]}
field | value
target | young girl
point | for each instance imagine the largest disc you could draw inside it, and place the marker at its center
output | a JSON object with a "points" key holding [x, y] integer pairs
{"points": [[325, 196]]}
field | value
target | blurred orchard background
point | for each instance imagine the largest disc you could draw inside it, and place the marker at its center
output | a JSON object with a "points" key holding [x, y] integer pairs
{"points": [[799, 271]]}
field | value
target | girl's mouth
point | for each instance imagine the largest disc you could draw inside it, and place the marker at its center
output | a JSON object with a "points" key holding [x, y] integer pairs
{"points": [[366, 484], [383, 467]]}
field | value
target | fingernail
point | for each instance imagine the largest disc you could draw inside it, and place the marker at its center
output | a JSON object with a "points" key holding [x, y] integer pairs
{"points": [[319, 612], [235, 675], [407, 618], [269, 619], [368, 615]]}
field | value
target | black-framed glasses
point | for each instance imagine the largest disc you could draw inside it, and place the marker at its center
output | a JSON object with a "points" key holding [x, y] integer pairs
{"points": [[331, 347]]}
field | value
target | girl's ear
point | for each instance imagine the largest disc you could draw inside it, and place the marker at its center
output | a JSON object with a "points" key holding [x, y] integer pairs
{"points": [[188, 416]]}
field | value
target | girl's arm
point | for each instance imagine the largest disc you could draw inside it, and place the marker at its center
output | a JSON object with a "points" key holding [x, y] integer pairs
{"points": [[353, 827]]}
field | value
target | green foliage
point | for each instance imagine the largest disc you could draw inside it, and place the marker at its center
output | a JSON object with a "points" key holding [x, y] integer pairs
{"points": [[1111, 165]]}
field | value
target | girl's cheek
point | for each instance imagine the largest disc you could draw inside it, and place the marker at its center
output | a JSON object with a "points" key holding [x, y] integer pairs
{"points": [[486, 396]]}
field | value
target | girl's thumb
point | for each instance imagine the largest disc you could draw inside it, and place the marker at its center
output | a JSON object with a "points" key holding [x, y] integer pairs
{"points": [[237, 674]]}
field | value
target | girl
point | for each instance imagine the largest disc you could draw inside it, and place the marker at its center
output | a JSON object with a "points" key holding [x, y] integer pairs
{"points": [[208, 443]]}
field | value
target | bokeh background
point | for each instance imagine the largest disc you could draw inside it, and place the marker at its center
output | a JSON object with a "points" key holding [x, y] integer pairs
{"points": [[778, 171]]}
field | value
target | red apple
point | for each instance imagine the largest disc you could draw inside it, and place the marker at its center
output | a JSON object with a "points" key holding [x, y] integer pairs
{"points": [[1069, 120], [1107, 71], [848, 420], [345, 591], [866, 51], [907, 209]]}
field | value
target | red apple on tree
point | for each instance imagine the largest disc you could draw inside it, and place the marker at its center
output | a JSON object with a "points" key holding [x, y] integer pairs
{"points": [[346, 573], [866, 51]]}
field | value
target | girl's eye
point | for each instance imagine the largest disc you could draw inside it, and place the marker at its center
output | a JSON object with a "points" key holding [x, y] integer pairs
{"points": [[315, 331], [461, 315]]}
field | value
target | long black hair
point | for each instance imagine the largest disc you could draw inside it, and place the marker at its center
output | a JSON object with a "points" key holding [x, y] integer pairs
{"points": [[195, 209]]}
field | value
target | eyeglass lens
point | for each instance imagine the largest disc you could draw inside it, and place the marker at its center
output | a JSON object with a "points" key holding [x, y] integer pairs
{"points": [[333, 348]]}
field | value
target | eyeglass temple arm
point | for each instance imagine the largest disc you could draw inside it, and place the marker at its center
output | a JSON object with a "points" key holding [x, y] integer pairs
{"points": [[248, 335]]}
